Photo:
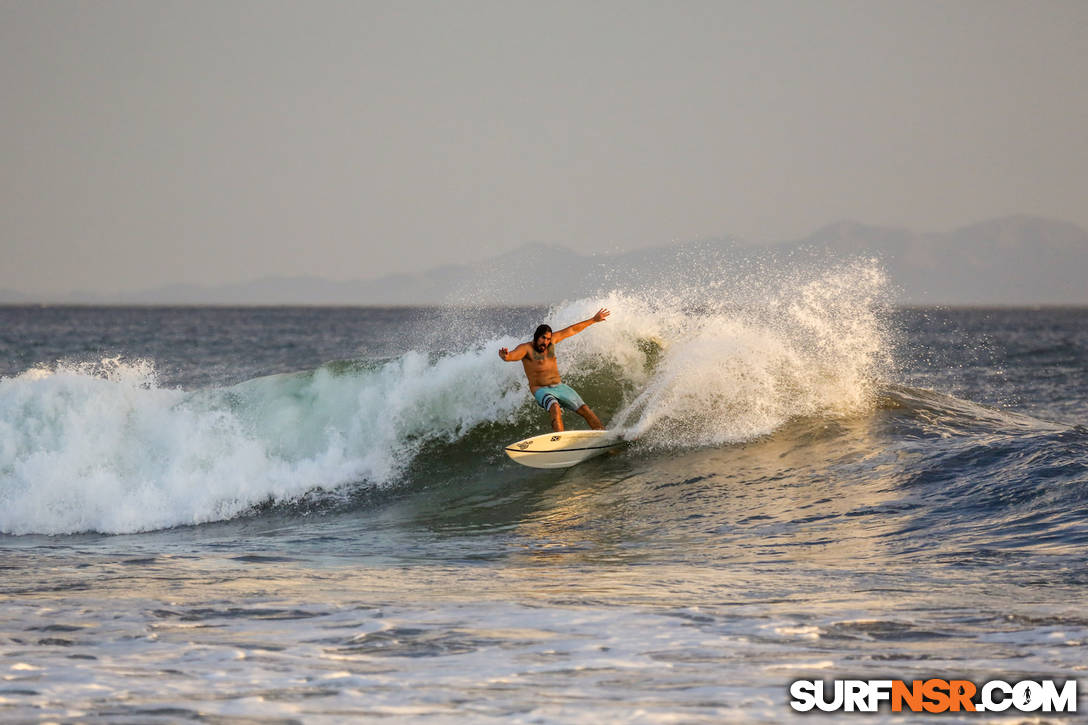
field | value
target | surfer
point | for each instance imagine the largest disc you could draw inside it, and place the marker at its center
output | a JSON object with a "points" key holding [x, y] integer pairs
{"points": [[542, 370]]}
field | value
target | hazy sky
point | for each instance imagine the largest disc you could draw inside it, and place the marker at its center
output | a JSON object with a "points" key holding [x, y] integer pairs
{"points": [[150, 142]]}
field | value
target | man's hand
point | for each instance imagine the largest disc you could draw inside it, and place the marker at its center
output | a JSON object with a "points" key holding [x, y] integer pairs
{"points": [[601, 314], [518, 353]]}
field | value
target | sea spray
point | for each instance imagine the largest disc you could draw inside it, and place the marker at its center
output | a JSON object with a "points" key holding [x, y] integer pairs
{"points": [[736, 362]]}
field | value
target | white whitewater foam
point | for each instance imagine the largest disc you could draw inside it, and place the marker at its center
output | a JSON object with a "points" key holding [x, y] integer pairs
{"points": [[103, 448]]}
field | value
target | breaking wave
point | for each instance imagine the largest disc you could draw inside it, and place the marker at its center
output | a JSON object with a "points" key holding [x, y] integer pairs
{"points": [[104, 447]]}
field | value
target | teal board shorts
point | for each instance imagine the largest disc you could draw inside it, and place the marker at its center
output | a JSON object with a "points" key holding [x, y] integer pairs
{"points": [[562, 394]]}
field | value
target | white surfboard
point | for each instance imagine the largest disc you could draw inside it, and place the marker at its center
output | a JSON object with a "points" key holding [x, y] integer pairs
{"points": [[565, 449]]}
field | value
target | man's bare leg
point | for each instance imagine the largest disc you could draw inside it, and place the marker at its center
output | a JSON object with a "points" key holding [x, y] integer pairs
{"points": [[590, 416], [556, 413]]}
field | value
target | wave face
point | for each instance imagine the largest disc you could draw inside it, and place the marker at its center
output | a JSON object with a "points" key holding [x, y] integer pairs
{"points": [[105, 447]]}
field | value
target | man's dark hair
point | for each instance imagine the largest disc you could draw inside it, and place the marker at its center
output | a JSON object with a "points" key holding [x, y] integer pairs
{"points": [[540, 331]]}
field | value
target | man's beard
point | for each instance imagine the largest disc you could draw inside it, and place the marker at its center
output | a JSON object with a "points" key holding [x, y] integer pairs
{"points": [[540, 347]]}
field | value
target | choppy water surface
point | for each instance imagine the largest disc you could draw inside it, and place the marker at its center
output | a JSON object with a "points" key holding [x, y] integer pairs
{"points": [[305, 515]]}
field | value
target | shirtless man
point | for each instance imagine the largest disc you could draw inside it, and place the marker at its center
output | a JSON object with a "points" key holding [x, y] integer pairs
{"points": [[542, 369]]}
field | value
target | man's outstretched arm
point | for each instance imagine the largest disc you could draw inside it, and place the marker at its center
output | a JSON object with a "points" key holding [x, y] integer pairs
{"points": [[516, 354], [579, 326]]}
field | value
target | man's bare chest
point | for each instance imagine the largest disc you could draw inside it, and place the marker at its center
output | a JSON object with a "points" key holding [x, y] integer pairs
{"points": [[542, 363]]}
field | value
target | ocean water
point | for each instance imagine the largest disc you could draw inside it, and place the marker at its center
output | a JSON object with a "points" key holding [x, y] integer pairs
{"points": [[305, 515]]}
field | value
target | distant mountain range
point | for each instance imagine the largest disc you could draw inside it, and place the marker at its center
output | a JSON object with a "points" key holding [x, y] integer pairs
{"points": [[1013, 260], [1018, 260]]}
